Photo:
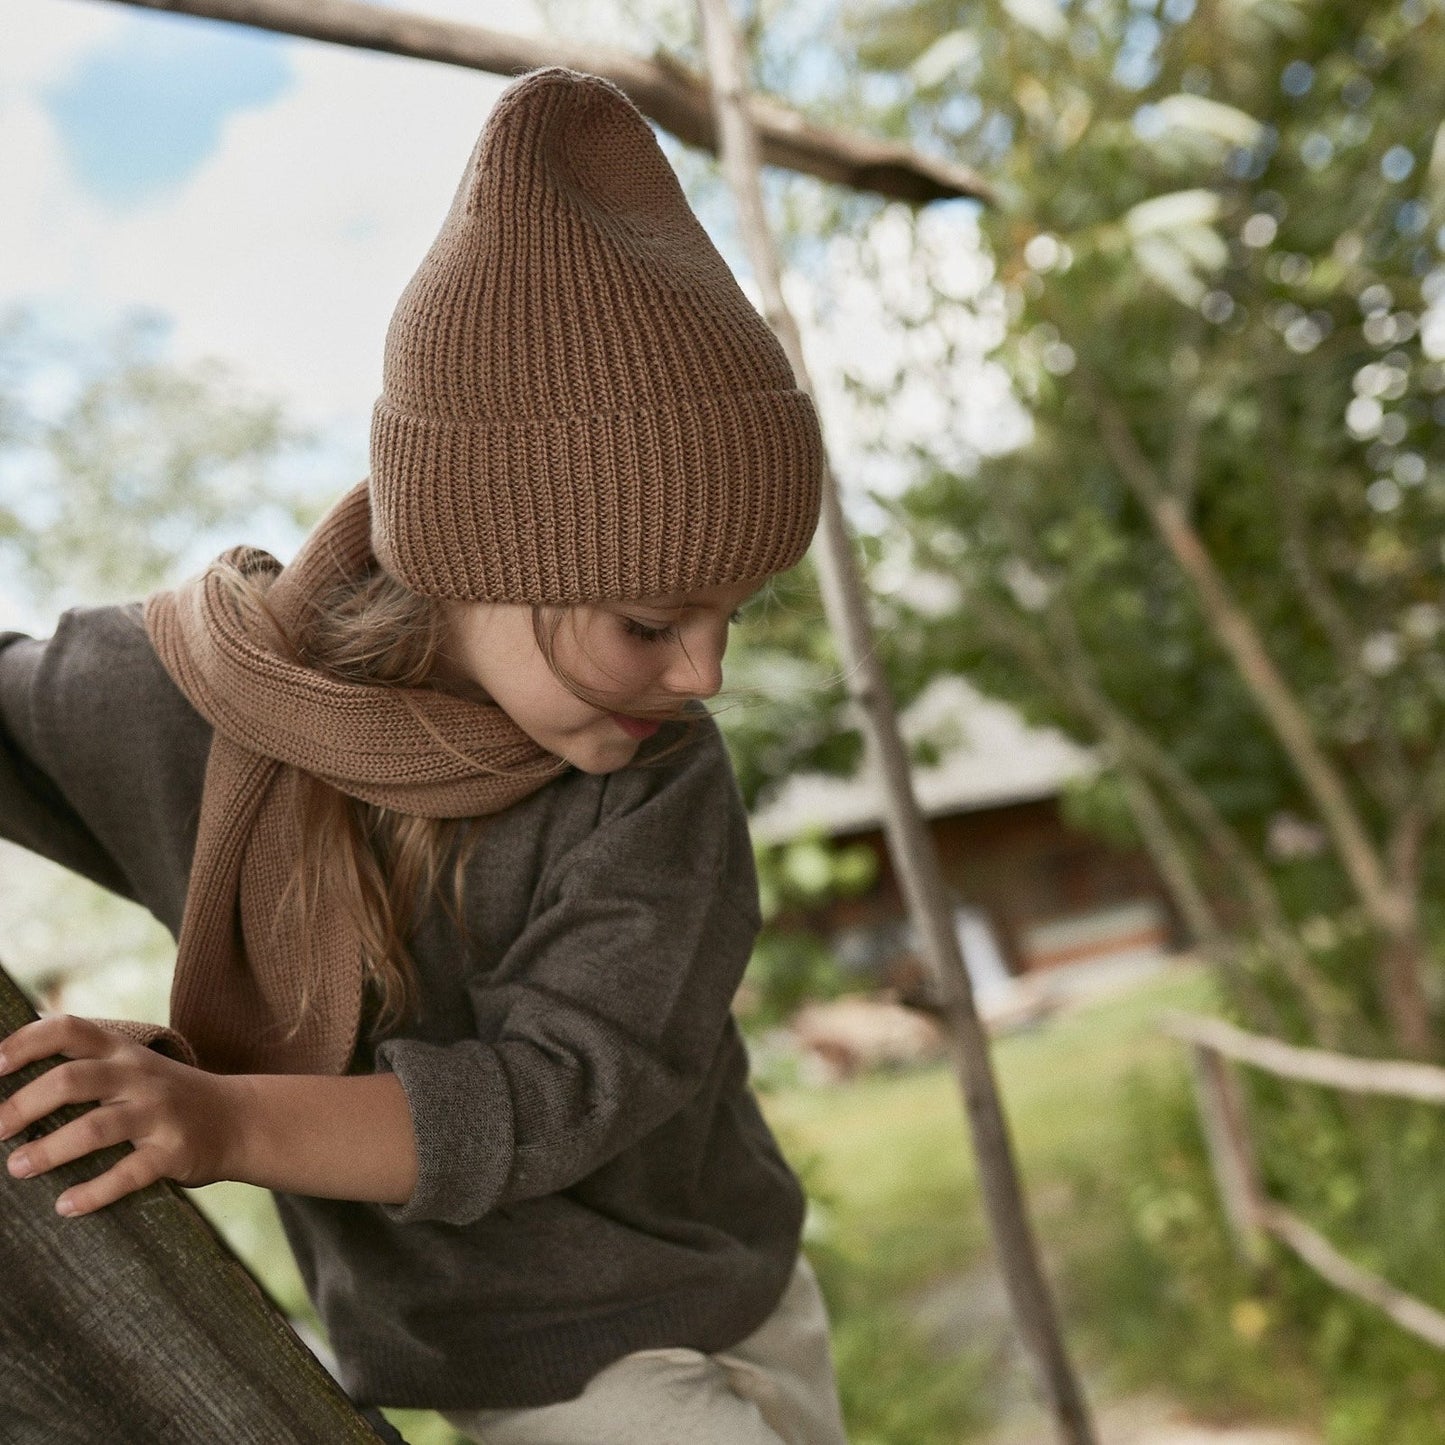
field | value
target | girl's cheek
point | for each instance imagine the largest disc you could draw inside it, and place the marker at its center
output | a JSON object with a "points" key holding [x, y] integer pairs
{"points": [[619, 670]]}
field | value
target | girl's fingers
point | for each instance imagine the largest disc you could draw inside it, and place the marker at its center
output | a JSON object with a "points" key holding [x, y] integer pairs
{"points": [[44, 1038], [78, 1082], [97, 1129], [99, 1065], [133, 1172]]}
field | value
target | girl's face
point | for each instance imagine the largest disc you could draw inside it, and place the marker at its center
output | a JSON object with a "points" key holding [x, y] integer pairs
{"points": [[655, 652]]}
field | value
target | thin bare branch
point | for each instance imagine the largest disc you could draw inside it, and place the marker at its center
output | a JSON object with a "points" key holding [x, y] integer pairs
{"points": [[1232, 1160], [1394, 1078], [915, 860], [1171, 858], [1389, 908], [1388, 773], [1405, 1310]]}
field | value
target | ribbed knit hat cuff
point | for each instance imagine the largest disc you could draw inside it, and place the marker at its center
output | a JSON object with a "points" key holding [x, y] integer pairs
{"points": [[570, 509]]}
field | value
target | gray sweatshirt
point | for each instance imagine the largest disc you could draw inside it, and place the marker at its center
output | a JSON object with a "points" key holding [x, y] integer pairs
{"points": [[595, 1175]]}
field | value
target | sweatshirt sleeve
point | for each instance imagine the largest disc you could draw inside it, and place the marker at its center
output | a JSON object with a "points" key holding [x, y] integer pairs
{"points": [[606, 1013], [34, 812], [110, 751]]}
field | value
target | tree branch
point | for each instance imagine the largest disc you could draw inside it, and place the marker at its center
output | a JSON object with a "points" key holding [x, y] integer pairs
{"points": [[1389, 908], [1060, 658], [662, 88], [1241, 641], [137, 1322], [915, 859], [1391, 773]]}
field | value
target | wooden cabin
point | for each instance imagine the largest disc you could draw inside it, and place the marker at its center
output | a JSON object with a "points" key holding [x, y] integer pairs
{"points": [[1033, 892]]}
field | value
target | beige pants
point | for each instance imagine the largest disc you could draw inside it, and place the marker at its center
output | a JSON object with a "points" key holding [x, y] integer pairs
{"points": [[774, 1388]]}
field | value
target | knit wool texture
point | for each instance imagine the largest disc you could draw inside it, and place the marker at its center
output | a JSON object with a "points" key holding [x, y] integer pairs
{"points": [[240, 985], [579, 402]]}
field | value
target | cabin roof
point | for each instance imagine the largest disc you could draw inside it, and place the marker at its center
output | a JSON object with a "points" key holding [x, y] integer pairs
{"points": [[995, 758]]}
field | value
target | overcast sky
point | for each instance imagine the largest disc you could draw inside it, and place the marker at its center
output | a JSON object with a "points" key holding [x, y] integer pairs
{"points": [[270, 197]]}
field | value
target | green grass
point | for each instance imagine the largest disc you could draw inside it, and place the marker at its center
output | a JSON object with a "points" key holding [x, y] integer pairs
{"points": [[1102, 1114], [889, 1161], [891, 1151]]}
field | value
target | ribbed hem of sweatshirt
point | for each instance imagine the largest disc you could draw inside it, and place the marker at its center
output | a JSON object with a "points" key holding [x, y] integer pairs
{"points": [[516, 1367], [461, 1113]]}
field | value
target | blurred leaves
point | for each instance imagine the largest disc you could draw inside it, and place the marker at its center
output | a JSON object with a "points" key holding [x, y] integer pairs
{"points": [[1219, 222], [118, 465]]}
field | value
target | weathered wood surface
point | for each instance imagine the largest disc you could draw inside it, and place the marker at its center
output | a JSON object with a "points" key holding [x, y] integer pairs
{"points": [[136, 1325]]}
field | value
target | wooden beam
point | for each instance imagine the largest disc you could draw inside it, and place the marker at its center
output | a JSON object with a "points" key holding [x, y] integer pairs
{"points": [[1392, 1077], [662, 88], [137, 1322], [1420, 1319]]}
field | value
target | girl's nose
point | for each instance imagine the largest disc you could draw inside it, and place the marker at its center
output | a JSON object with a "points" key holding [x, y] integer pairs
{"points": [[697, 672]]}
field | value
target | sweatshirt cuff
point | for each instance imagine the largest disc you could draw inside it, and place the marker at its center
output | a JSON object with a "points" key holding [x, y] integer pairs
{"points": [[153, 1036], [461, 1114]]}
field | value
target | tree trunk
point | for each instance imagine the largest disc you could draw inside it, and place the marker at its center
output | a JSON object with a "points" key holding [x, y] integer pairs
{"points": [[136, 1323], [1172, 861]]}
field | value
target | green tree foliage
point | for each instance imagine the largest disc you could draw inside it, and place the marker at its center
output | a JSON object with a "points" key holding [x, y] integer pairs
{"points": [[783, 700], [1218, 257], [117, 466], [1216, 249], [793, 961]]}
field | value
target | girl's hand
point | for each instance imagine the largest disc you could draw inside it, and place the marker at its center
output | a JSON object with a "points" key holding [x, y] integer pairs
{"points": [[180, 1120]]}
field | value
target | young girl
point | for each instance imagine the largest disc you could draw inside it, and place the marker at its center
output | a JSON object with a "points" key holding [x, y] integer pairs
{"points": [[457, 863]]}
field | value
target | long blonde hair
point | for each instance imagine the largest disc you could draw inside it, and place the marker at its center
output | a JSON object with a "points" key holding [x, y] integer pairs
{"points": [[381, 866]]}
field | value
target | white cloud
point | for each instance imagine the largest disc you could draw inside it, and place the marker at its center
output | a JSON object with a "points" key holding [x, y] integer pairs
{"points": [[42, 38], [285, 253]]}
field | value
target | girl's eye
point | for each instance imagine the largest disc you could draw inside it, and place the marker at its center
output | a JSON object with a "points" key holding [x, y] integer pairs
{"points": [[645, 633]]}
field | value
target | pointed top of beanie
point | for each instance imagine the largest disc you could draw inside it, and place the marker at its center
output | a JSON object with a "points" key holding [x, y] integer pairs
{"points": [[579, 403]]}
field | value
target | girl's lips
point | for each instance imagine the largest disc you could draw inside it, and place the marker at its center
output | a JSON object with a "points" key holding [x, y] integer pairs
{"points": [[634, 727]]}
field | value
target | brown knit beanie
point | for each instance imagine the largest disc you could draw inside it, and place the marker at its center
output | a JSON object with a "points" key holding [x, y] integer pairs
{"points": [[579, 403]]}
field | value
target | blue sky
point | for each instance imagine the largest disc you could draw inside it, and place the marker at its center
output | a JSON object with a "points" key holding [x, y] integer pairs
{"points": [[141, 113], [269, 197]]}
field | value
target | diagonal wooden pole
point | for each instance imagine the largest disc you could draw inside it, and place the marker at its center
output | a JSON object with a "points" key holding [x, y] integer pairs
{"points": [[914, 858]]}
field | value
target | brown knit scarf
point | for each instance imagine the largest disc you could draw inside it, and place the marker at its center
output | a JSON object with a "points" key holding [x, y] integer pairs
{"points": [[238, 985]]}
